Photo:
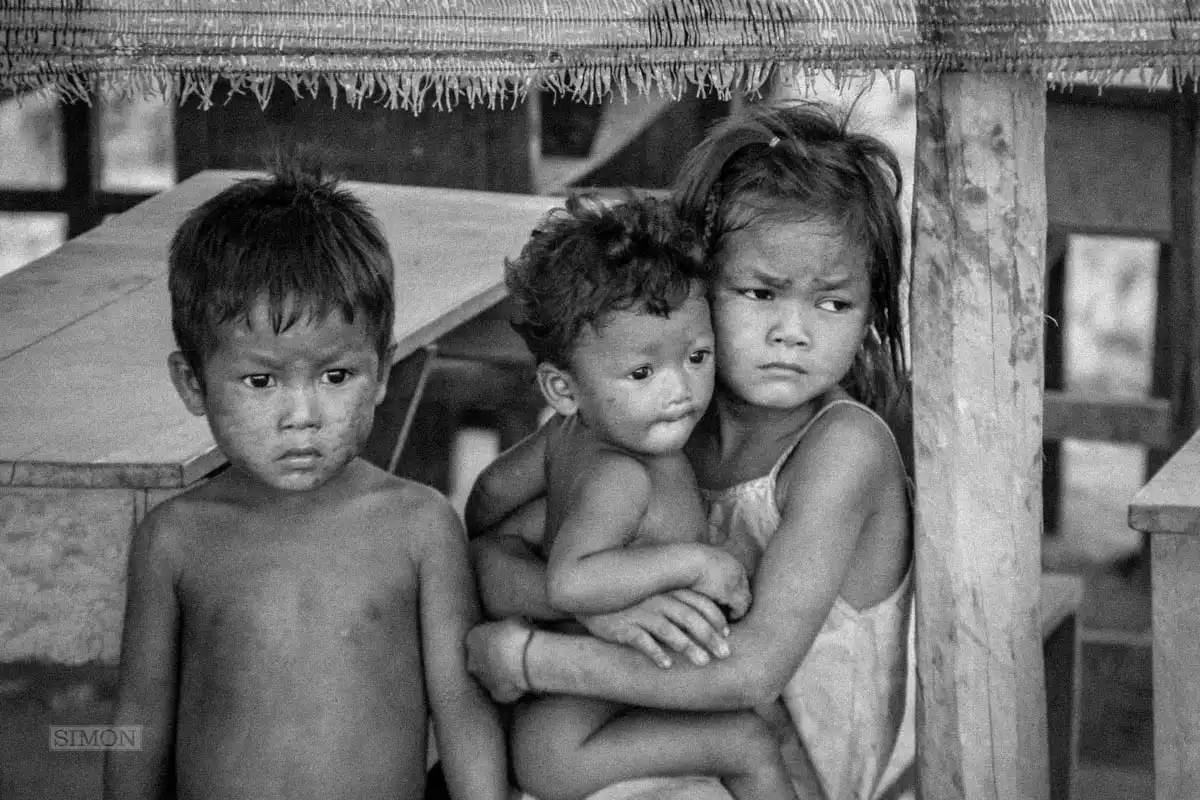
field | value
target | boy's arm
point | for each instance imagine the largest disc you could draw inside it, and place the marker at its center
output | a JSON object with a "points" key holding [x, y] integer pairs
{"points": [[514, 479], [469, 736], [149, 665], [590, 569]]}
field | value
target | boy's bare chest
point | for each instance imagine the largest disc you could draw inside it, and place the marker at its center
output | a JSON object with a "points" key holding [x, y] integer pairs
{"points": [[303, 593]]}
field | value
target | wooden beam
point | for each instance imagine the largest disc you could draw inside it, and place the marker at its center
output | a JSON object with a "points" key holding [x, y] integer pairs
{"points": [[979, 214], [57, 201], [1074, 415], [1175, 622], [80, 122]]}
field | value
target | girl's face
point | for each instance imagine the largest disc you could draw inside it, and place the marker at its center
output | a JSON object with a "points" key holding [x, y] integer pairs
{"points": [[791, 304]]}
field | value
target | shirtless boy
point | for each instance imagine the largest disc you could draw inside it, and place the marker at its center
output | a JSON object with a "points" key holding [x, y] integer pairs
{"points": [[612, 303], [291, 622]]}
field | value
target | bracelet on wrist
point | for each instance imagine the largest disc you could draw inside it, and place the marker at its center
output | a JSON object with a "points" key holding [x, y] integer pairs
{"points": [[525, 661]]}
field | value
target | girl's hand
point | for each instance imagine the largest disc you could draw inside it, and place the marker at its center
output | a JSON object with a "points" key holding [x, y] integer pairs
{"points": [[496, 657], [683, 620]]}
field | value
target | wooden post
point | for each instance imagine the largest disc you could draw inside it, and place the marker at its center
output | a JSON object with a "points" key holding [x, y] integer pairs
{"points": [[979, 225]]}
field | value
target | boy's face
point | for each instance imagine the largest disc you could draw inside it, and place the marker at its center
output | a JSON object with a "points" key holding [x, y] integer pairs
{"points": [[289, 410], [642, 381]]}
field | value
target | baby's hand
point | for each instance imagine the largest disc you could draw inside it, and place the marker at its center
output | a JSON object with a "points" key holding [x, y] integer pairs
{"points": [[723, 578]]}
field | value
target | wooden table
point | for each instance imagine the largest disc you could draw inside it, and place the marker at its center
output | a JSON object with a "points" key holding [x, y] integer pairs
{"points": [[92, 433], [1168, 507]]}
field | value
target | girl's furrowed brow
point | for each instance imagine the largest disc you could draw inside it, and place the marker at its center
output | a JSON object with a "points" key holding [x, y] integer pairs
{"points": [[772, 281], [827, 282]]}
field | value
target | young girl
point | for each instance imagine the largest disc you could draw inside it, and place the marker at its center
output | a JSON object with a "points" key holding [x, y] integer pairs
{"points": [[801, 221], [610, 298]]}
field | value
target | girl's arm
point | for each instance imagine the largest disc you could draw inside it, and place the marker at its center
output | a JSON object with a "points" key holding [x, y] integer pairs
{"points": [[469, 735], [832, 486], [147, 691], [511, 572], [506, 523], [513, 480]]}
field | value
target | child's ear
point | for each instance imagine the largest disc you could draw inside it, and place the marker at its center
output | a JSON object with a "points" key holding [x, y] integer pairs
{"points": [[385, 372], [187, 383], [558, 389]]}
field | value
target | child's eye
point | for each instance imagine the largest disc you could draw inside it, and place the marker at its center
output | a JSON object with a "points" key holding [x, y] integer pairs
{"points": [[758, 294], [336, 376], [640, 374], [258, 381], [834, 304], [699, 356]]}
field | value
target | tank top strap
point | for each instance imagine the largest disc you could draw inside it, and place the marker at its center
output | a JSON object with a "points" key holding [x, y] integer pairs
{"points": [[799, 435]]}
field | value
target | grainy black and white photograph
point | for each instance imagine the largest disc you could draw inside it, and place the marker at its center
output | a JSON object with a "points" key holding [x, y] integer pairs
{"points": [[606, 400]]}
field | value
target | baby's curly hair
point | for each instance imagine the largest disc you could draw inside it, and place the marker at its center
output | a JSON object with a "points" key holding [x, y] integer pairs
{"points": [[594, 256]]}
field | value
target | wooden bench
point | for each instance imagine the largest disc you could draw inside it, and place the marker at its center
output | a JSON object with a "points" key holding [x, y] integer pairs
{"points": [[1062, 597], [1168, 509], [93, 433]]}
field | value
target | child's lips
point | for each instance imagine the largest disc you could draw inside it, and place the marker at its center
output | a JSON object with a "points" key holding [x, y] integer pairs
{"points": [[681, 416], [783, 366], [300, 456]]}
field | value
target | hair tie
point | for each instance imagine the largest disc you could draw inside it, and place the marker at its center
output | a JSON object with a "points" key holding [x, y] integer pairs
{"points": [[774, 141]]}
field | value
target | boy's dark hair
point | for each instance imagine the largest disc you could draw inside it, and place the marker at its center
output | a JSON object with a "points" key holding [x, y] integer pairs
{"points": [[296, 240], [798, 161], [592, 257]]}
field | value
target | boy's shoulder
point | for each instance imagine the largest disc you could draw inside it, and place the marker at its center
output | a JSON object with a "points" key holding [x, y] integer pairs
{"points": [[423, 512], [170, 524], [405, 495]]}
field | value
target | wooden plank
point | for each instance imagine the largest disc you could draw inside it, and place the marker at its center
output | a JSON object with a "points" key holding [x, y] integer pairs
{"points": [[978, 278], [1131, 195], [1175, 611], [621, 123], [98, 268], [109, 404], [1057, 249], [1170, 502], [1078, 415]]}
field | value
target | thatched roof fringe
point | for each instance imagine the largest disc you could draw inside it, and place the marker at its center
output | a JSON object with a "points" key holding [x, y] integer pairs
{"points": [[411, 55], [418, 91]]}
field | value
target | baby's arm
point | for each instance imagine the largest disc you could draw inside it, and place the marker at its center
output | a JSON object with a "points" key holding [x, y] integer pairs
{"points": [[511, 568], [149, 664], [469, 736], [591, 570]]}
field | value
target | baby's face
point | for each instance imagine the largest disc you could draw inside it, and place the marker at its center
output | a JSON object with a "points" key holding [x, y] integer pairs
{"points": [[642, 381], [292, 409]]}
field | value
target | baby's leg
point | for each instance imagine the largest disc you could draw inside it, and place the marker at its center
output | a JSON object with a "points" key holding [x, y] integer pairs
{"points": [[565, 748]]}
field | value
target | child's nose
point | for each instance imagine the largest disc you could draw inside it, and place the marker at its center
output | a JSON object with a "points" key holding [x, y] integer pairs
{"points": [[679, 390], [302, 408], [792, 328]]}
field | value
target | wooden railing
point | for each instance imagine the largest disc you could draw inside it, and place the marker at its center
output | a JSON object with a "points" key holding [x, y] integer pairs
{"points": [[1168, 508]]}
